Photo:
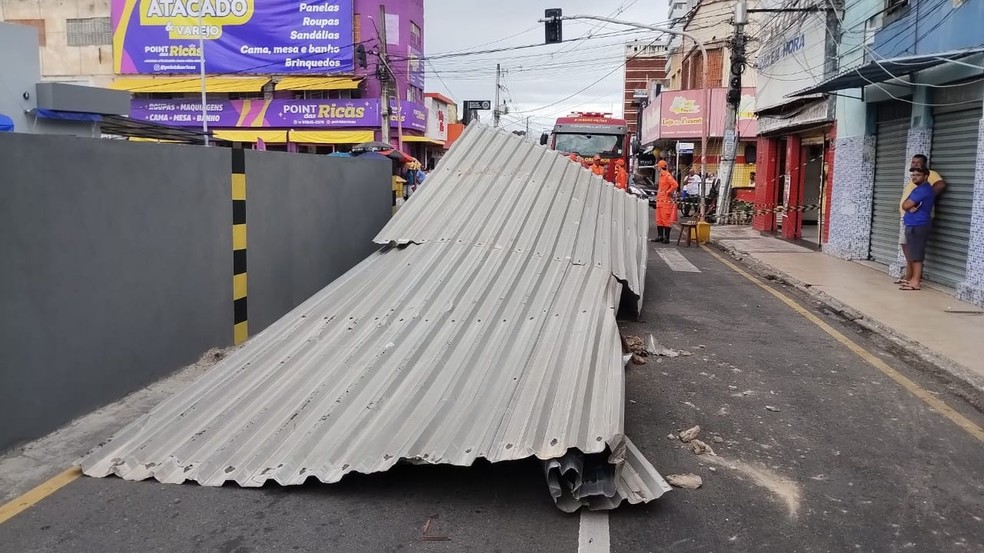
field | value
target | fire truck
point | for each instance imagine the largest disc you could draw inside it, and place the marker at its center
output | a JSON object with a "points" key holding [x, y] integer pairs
{"points": [[591, 134]]}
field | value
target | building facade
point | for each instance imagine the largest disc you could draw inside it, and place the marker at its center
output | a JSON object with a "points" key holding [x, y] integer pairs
{"points": [[280, 75], [795, 144], [909, 83], [645, 64]]}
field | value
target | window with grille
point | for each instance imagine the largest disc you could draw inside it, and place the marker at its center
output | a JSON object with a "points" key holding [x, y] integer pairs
{"points": [[89, 31], [415, 38]]}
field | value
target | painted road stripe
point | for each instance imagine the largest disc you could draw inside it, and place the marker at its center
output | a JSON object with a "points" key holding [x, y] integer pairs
{"points": [[935, 403], [592, 535], [20, 504], [676, 261]]}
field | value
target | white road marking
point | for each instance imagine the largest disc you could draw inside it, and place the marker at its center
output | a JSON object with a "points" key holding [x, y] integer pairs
{"points": [[592, 536], [676, 261]]}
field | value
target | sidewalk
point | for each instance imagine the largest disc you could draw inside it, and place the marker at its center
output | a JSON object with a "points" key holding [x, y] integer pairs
{"points": [[931, 323]]}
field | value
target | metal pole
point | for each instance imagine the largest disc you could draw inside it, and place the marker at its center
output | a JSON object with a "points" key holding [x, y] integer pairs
{"points": [[495, 112], [730, 145], [707, 91], [201, 62], [384, 126]]}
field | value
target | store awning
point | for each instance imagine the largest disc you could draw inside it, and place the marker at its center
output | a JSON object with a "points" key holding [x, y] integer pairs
{"points": [[250, 135], [190, 83], [424, 139], [318, 83], [880, 71], [330, 137]]}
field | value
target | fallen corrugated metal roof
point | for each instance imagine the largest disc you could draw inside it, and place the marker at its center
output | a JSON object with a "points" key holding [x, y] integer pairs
{"points": [[502, 191], [446, 350]]}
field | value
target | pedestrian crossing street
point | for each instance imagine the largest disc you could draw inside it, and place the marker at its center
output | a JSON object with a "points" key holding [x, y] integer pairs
{"points": [[676, 261]]}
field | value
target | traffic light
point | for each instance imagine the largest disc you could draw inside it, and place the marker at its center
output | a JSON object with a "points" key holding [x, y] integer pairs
{"points": [[360, 55], [554, 31]]}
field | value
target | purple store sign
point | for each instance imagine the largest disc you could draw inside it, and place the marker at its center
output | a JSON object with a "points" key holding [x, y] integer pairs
{"points": [[274, 113], [240, 36]]}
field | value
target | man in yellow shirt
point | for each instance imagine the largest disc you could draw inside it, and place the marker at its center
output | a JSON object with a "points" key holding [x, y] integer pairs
{"points": [[918, 161]]}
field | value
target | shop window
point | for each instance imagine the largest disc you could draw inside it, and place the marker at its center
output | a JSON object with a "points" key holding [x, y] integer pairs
{"points": [[89, 31], [36, 23], [325, 94]]}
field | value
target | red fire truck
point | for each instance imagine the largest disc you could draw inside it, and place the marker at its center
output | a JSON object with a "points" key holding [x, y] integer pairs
{"points": [[591, 134]]}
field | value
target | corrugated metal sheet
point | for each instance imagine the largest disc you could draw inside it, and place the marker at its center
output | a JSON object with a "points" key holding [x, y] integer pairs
{"points": [[446, 351], [502, 191]]}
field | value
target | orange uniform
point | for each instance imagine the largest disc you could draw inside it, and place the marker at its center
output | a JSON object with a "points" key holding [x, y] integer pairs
{"points": [[621, 176], [598, 169], [666, 208]]}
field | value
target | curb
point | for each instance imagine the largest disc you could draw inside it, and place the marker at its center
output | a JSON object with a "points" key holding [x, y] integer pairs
{"points": [[959, 379]]}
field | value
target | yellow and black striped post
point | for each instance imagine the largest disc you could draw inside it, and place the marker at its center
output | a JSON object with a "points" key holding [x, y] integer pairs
{"points": [[240, 328]]}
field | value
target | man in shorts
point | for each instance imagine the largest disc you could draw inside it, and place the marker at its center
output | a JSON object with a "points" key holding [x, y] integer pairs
{"points": [[934, 179], [918, 218]]}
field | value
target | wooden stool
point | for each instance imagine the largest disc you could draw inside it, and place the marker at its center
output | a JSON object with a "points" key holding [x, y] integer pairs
{"points": [[690, 227]]}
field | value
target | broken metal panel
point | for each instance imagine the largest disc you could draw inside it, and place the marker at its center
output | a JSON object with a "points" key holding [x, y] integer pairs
{"points": [[475, 352], [498, 189], [445, 351]]}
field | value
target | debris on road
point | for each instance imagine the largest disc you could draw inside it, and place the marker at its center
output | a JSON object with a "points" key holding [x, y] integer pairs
{"points": [[689, 434], [670, 437], [638, 359], [689, 481], [718, 440], [700, 448], [772, 408]]}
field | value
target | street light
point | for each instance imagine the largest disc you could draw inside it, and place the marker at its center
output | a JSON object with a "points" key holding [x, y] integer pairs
{"points": [[553, 17]]}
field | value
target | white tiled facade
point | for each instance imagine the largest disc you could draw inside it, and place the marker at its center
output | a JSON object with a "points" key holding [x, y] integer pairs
{"points": [[851, 197], [972, 289]]}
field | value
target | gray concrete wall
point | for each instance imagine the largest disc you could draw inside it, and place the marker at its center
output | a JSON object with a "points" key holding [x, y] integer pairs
{"points": [[20, 65], [117, 260], [309, 219]]}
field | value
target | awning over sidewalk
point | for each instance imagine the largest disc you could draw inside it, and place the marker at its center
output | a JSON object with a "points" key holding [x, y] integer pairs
{"points": [[330, 137], [880, 71], [318, 83], [190, 83], [270, 136], [424, 140]]}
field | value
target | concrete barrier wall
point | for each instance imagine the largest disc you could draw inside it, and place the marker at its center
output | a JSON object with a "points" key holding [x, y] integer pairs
{"points": [[310, 219], [116, 260]]}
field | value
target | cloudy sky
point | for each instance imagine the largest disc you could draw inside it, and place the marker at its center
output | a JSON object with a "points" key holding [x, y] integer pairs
{"points": [[543, 82]]}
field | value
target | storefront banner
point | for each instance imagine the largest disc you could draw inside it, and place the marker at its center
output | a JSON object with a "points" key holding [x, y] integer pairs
{"points": [[240, 36], [437, 119], [273, 113], [649, 131], [414, 115], [259, 113], [682, 113]]}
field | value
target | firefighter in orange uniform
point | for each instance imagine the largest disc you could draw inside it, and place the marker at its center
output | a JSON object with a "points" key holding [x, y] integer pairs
{"points": [[666, 208], [596, 167], [621, 175]]}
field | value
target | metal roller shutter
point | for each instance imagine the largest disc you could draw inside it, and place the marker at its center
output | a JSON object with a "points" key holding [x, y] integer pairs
{"points": [[890, 173], [954, 157]]}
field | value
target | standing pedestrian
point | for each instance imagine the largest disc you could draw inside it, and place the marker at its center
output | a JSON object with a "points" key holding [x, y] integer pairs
{"points": [[691, 190], [666, 209], [918, 217], [918, 160], [621, 175]]}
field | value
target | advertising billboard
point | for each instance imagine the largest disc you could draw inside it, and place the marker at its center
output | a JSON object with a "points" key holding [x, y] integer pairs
{"points": [[682, 113], [240, 36], [274, 113]]}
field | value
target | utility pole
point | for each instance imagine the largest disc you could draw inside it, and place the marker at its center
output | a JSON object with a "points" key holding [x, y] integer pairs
{"points": [[201, 62], [383, 74], [730, 146], [496, 113]]}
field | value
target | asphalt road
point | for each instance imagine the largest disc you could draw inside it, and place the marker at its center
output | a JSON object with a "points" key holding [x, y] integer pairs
{"points": [[847, 460]]}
